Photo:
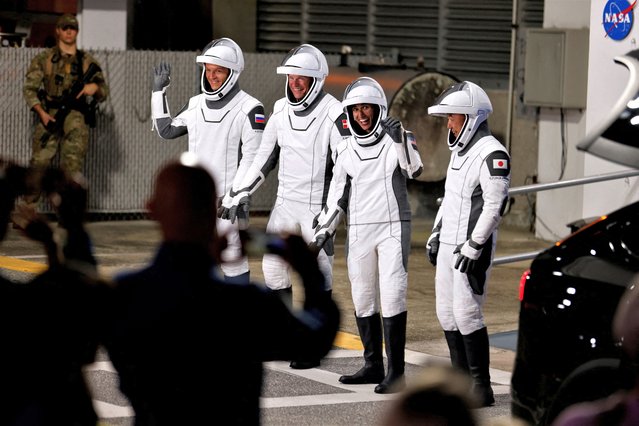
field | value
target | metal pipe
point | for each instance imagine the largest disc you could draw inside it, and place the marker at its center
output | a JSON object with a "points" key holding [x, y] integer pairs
{"points": [[537, 187], [511, 73], [516, 257]]}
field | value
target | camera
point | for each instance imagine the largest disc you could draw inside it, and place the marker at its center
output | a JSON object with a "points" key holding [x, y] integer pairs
{"points": [[259, 243]]}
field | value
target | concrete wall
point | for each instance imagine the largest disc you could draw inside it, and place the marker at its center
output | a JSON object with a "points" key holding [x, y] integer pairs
{"points": [[241, 27], [606, 81], [556, 208], [104, 24]]}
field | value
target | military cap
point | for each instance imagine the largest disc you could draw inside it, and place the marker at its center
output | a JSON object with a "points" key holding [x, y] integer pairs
{"points": [[67, 20]]}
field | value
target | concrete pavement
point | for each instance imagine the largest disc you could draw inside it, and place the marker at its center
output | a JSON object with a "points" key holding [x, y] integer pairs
{"points": [[313, 397]]}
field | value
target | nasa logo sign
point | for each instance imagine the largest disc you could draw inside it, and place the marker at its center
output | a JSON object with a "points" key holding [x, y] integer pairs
{"points": [[618, 18]]}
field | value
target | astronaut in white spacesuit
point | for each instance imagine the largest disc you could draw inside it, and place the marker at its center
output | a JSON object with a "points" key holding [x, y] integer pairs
{"points": [[463, 239], [302, 135], [224, 126], [369, 185]]}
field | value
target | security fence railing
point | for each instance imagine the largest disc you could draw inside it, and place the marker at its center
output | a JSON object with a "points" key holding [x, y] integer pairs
{"points": [[520, 190], [124, 153]]}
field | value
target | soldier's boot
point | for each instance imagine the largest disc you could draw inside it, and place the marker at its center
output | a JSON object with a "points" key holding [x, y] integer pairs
{"points": [[478, 356], [370, 331], [457, 350], [395, 342]]}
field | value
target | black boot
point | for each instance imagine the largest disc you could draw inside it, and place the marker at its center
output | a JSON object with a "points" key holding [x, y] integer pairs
{"points": [[478, 356], [395, 336], [370, 331], [286, 294], [244, 278], [457, 350], [312, 363]]}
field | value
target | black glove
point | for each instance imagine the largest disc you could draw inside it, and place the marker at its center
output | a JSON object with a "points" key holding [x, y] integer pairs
{"points": [[161, 76], [432, 247], [394, 128], [318, 241], [468, 256]]}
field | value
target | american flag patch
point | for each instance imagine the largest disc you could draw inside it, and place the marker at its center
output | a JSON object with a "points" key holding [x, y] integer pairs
{"points": [[344, 123], [410, 138], [259, 118], [500, 164]]}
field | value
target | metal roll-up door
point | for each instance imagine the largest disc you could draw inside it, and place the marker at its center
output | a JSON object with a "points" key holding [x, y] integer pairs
{"points": [[279, 24], [332, 24], [476, 39], [411, 26]]}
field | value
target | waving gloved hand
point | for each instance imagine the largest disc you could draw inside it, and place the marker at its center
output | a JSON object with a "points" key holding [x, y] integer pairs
{"points": [[468, 252], [394, 128], [161, 76], [432, 247]]}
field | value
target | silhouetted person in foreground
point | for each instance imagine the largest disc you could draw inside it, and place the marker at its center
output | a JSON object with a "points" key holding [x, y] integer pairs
{"points": [[440, 396], [51, 326], [188, 347]]}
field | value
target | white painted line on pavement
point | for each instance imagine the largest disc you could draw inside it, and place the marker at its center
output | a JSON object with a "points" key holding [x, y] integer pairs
{"points": [[324, 399]]}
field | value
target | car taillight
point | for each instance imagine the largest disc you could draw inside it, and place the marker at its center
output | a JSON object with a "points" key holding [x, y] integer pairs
{"points": [[522, 284]]}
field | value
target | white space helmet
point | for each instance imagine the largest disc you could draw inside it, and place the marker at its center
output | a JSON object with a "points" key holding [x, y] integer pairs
{"points": [[223, 52], [365, 90], [308, 61], [463, 98]]}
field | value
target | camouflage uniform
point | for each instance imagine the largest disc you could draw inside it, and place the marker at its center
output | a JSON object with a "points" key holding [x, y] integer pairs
{"points": [[53, 73]]}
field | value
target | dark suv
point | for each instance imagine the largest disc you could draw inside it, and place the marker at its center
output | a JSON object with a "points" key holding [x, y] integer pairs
{"points": [[565, 351]]}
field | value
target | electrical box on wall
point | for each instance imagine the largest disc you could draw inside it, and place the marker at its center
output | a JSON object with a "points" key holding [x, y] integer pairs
{"points": [[556, 68]]}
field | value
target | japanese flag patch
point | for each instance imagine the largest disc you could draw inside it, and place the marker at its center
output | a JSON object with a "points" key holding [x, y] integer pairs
{"points": [[498, 164]]}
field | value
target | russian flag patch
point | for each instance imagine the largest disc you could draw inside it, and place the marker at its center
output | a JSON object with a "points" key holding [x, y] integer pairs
{"points": [[259, 118]]}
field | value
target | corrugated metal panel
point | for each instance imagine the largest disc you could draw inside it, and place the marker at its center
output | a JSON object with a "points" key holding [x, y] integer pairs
{"points": [[332, 24], [532, 13], [279, 24], [410, 26], [468, 39], [477, 39]]}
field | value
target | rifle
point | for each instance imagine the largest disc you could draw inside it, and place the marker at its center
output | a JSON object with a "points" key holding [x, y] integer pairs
{"points": [[68, 102]]}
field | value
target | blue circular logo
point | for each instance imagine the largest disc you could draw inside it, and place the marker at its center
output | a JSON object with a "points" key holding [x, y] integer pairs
{"points": [[618, 18]]}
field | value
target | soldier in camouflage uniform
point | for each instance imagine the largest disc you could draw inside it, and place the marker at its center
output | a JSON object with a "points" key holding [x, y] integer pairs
{"points": [[49, 77]]}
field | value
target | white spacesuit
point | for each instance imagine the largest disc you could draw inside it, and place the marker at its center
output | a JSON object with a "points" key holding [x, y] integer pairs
{"points": [[224, 127], [369, 185], [463, 240], [302, 135]]}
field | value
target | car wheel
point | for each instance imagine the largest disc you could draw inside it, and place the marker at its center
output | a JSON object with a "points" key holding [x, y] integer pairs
{"points": [[593, 380]]}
